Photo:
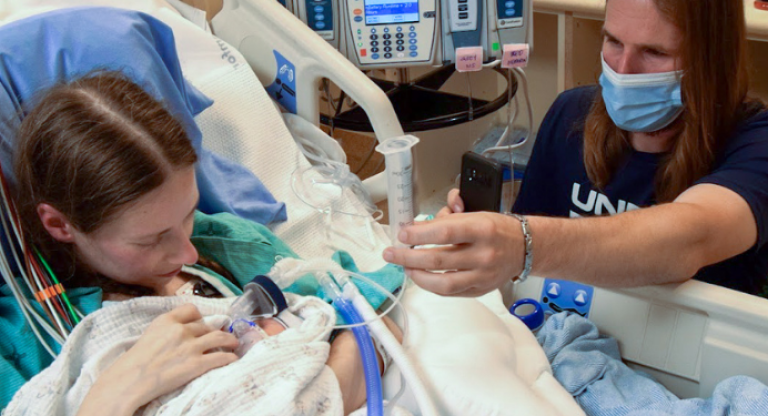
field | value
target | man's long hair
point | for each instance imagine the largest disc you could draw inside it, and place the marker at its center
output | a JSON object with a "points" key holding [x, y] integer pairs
{"points": [[714, 90]]}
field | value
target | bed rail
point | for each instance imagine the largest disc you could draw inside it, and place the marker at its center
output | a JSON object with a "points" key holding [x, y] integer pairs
{"points": [[275, 42]]}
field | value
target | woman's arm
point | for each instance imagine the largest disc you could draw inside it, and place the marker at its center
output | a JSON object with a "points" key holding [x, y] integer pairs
{"points": [[176, 348], [344, 359], [662, 244]]}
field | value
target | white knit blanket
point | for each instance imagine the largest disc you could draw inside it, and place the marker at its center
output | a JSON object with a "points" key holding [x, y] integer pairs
{"points": [[282, 375]]}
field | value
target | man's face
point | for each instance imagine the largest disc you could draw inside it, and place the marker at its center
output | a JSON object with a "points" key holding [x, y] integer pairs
{"points": [[637, 39]]}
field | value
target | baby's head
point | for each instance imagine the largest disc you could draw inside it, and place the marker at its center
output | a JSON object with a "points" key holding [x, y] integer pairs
{"points": [[105, 183]]}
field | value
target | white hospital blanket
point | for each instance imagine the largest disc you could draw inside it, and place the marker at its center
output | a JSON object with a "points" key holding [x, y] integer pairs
{"points": [[283, 375]]}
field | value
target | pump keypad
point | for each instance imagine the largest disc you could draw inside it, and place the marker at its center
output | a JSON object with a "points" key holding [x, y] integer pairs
{"points": [[400, 47]]}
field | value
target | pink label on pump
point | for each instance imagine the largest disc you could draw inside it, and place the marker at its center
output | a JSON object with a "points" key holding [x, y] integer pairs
{"points": [[469, 59], [515, 55]]}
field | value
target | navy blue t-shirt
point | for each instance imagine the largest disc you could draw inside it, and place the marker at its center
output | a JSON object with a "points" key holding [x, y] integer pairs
{"points": [[556, 182]]}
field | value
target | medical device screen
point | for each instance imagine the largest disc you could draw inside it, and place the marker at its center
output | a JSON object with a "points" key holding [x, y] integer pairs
{"points": [[379, 12]]}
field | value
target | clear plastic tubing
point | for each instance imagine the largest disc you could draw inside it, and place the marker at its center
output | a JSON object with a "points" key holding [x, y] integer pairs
{"points": [[398, 160]]}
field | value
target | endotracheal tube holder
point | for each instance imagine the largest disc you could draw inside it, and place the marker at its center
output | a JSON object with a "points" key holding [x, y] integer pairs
{"points": [[398, 160]]}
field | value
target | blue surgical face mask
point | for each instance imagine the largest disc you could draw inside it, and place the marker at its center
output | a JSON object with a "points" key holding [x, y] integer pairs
{"points": [[641, 102]]}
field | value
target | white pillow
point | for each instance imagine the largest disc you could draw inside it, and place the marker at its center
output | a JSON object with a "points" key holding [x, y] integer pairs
{"points": [[476, 359]]}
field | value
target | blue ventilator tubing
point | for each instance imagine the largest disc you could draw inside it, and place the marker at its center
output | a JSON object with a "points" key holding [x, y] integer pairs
{"points": [[374, 395], [533, 320]]}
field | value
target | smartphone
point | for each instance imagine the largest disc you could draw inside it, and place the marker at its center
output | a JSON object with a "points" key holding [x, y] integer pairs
{"points": [[482, 183]]}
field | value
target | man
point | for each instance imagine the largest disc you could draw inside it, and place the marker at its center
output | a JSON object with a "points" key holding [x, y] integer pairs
{"points": [[669, 142]]}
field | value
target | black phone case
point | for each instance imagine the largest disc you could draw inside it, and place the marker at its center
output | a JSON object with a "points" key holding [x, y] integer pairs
{"points": [[481, 183]]}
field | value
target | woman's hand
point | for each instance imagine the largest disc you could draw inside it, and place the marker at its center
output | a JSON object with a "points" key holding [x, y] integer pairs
{"points": [[480, 251], [176, 348]]}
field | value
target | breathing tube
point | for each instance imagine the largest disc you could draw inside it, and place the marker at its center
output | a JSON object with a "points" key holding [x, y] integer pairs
{"points": [[347, 310], [338, 285]]}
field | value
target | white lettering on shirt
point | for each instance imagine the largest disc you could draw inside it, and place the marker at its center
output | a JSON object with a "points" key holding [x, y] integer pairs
{"points": [[597, 203]]}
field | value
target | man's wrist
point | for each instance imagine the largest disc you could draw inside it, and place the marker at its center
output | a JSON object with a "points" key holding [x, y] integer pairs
{"points": [[527, 248]]}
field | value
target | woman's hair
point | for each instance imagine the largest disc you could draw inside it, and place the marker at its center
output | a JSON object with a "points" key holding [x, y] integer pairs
{"points": [[90, 148], [714, 91]]}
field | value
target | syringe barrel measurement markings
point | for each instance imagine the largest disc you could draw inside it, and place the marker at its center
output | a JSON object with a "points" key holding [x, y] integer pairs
{"points": [[399, 169]]}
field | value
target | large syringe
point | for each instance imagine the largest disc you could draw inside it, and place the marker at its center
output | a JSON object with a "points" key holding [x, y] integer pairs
{"points": [[399, 166]]}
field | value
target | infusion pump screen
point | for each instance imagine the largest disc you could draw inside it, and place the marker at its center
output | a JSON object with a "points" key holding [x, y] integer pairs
{"points": [[379, 12]]}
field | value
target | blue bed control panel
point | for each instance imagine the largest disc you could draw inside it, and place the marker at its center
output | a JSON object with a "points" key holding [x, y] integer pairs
{"points": [[565, 295]]}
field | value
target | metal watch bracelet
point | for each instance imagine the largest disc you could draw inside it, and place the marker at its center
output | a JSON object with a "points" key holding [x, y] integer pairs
{"points": [[528, 259]]}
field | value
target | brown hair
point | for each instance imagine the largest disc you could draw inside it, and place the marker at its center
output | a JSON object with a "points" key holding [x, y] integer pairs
{"points": [[90, 148], [714, 90]]}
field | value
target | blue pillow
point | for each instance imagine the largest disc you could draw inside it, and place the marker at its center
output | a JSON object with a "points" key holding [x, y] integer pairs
{"points": [[43, 50]]}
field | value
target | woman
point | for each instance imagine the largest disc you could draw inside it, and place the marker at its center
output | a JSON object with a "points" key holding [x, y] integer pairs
{"points": [[107, 191], [669, 143]]}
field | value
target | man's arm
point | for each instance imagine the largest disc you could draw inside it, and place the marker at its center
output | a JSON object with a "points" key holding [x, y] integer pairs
{"points": [[667, 243], [662, 244]]}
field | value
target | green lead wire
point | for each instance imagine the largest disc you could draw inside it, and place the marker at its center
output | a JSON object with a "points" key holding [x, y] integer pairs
{"points": [[56, 281]]}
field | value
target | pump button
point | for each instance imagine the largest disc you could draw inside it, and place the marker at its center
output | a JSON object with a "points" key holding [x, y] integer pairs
{"points": [[412, 35], [399, 29], [357, 12], [374, 37], [413, 47], [463, 15], [510, 4], [414, 54], [509, 12], [387, 55], [319, 17], [358, 19], [463, 7], [375, 56], [399, 35], [375, 43], [320, 25], [412, 41], [318, 9]]}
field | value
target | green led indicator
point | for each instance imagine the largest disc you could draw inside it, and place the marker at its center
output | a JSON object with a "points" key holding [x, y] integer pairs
{"points": [[360, 44], [495, 46]]}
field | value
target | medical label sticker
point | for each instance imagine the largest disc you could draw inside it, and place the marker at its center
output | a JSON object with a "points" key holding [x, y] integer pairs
{"points": [[469, 59], [283, 89], [515, 55]]}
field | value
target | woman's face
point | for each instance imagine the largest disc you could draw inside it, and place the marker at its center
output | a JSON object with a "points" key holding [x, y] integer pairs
{"points": [[147, 243], [637, 39]]}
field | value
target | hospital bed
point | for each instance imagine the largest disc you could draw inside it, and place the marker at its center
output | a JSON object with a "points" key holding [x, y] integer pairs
{"points": [[473, 356], [659, 328], [689, 336]]}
